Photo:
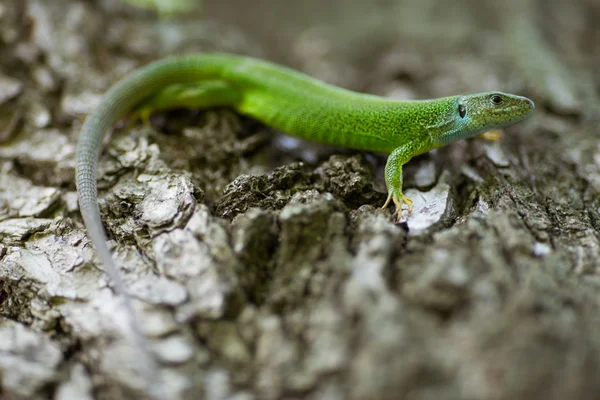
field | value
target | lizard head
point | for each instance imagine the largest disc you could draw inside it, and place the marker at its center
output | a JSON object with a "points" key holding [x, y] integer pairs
{"points": [[473, 114]]}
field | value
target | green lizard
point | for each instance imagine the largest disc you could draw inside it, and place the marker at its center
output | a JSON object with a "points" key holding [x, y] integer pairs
{"points": [[293, 103]]}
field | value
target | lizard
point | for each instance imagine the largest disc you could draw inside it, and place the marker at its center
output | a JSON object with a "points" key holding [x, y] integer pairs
{"points": [[291, 102]]}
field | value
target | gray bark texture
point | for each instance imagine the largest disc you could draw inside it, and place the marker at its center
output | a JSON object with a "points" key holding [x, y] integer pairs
{"points": [[261, 266]]}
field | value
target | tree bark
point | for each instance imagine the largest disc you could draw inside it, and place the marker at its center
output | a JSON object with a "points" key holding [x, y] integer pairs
{"points": [[262, 267]]}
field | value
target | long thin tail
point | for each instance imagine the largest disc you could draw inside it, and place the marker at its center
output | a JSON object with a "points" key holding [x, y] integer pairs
{"points": [[117, 102], [89, 146]]}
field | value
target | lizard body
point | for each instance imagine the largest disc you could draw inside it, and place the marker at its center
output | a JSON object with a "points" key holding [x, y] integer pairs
{"points": [[293, 103]]}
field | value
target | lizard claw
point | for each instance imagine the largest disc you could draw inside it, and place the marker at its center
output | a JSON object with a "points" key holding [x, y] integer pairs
{"points": [[398, 202]]}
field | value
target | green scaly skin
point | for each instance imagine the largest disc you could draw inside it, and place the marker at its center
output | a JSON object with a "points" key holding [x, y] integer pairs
{"points": [[292, 103]]}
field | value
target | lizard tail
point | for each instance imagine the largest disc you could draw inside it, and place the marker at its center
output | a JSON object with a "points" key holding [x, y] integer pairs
{"points": [[117, 102]]}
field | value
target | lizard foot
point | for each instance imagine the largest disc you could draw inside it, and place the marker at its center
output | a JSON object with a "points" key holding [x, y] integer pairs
{"points": [[398, 202], [492, 135], [141, 114]]}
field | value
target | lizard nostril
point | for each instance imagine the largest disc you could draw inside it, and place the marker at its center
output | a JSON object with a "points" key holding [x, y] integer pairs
{"points": [[531, 104]]}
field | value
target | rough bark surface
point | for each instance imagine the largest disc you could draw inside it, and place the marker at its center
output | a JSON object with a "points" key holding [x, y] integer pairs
{"points": [[262, 266]]}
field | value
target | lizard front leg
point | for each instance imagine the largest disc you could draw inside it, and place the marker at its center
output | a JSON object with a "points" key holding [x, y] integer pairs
{"points": [[393, 179]]}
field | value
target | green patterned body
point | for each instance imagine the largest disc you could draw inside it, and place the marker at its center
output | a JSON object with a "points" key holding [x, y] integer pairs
{"points": [[299, 105]]}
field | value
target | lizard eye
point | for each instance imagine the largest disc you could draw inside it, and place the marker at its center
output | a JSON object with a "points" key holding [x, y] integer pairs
{"points": [[462, 111], [496, 99]]}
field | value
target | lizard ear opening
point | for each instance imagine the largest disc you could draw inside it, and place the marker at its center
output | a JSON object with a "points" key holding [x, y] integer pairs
{"points": [[462, 111]]}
